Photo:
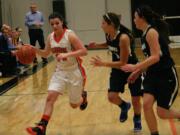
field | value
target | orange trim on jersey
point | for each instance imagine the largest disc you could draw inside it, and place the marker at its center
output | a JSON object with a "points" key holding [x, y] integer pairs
{"points": [[82, 70], [58, 39]]}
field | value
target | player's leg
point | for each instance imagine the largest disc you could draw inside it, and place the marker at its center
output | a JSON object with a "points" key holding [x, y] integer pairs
{"points": [[40, 128], [136, 93], [114, 98], [168, 89], [77, 94], [148, 102], [117, 83], [56, 87]]}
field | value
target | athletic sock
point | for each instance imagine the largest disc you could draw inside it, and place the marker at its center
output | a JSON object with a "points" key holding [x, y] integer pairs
{"points": [[137, 122], [45, 120], [123, 105]]}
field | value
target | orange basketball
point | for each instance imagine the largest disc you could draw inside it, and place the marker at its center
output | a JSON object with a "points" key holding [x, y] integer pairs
{"points": [[26, 54]]}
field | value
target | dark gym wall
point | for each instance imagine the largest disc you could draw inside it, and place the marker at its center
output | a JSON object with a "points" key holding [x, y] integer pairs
{"points": [[0, 14], [163, 7], [59, 6]]}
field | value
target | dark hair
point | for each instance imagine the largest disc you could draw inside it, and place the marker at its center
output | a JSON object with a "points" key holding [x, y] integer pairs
{"points": [[154, 19], [17, 28], [124, 29], [57, 15], [112, 18]]}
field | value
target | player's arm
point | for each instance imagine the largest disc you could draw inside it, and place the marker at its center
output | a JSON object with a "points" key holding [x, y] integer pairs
{"points": [[44, 52], [134, 75], [153, 42], [124, 53], [77, 45], [94, 45]]}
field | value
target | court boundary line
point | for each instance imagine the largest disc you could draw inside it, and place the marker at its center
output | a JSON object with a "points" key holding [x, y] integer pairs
{"points": [[173, 127]]}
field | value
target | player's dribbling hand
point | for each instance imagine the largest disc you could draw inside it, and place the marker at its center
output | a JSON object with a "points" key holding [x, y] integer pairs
{"points": [[33, 47], [13, 53]]}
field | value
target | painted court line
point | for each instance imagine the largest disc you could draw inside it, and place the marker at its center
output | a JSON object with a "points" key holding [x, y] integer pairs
{"points": [[173, 127]]}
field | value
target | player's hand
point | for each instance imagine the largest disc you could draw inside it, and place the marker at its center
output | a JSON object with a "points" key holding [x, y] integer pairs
{"points": [[13, 53], [128, 68], [31, 46], [96, 61], [61, 57], [18, 46], [92, 45], [133, 76]]}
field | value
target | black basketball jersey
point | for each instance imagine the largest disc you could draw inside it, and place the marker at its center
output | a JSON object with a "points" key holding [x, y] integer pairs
{"points": [[114, 48], [165, 61]]}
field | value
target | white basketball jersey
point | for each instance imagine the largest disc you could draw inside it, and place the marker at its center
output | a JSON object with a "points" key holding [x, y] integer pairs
{"points": [[63, 46]]}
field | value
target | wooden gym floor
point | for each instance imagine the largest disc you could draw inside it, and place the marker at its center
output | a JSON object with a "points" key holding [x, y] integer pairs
{"points": [[23, 104]]}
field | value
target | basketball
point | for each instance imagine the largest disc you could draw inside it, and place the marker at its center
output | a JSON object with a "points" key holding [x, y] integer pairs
{"points": [[26, 54]]}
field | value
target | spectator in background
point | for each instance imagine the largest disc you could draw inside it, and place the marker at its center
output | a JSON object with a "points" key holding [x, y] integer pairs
{"points": [[17, 43], [19, 31], [34, 21], [14, 37], [5, 40], [8, 63]]}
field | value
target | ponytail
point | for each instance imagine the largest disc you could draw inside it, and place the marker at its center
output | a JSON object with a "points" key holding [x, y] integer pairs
{"points": [[155, 20], [124, 29], [162, 27]]}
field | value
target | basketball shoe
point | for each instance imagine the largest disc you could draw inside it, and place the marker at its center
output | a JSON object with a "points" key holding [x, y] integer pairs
{"points": [[39, 129], [137, 124], [124, 113], [85, 102]]}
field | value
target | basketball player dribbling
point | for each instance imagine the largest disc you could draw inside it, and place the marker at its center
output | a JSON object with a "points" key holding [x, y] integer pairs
{"points": [[69, 73]]}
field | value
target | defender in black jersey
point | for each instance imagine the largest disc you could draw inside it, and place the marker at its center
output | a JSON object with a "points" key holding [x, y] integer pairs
{"points": [[119, 41], [161, 82]]}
